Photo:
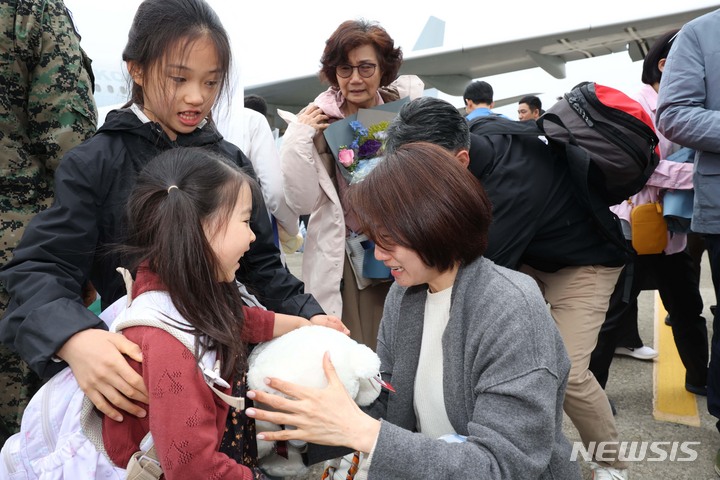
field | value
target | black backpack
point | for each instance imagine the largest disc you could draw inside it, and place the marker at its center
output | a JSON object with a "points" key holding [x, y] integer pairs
{"points": [[577, 159], [615, 131]]}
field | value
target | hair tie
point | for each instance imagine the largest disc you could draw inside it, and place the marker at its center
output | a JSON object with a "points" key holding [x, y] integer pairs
{"points": [[171, 187]]}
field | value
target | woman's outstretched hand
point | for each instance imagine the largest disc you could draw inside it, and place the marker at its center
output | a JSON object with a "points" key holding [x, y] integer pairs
{"points": [[326, 416]]}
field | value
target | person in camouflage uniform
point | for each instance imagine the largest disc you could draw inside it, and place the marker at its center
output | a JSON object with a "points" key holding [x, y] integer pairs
{"points": [[46, 108]]}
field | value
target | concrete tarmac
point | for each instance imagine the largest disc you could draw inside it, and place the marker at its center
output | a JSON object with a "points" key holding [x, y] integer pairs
{"points": [[630, 387]]}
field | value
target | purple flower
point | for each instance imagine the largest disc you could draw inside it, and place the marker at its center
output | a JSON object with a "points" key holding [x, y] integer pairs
{"points": [[369, 148]]}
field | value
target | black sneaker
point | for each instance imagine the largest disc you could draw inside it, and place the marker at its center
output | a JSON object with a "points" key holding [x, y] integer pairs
{"points": [[702, 391], [668, 322]]}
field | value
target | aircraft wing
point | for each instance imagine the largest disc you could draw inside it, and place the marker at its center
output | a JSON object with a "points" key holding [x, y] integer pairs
{"points": [[289, 94], [450, 70]]}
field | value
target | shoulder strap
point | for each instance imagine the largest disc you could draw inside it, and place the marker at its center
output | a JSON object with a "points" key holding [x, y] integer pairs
{"points": [[212, 376], [578, 161], [144, 466], [498, 125], [554, 118]]}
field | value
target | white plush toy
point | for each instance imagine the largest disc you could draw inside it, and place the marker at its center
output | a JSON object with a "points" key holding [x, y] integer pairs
{"points": [[297, 357]]}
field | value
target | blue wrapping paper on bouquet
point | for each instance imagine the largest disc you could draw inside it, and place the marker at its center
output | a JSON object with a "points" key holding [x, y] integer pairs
{"points": [[356, 141]]}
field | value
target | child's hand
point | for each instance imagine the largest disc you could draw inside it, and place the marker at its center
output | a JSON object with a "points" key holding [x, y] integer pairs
{"points": [[330, 321]]}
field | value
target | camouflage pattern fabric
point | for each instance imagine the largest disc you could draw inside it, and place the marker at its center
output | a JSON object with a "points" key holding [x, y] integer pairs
{"points": [[46, 108]]}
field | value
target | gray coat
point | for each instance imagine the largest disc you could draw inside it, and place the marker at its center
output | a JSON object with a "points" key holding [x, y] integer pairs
{"points": [[505, 370], [689, 111]]}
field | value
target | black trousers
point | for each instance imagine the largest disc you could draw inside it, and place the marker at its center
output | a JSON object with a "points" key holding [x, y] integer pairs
{"points": [[678, 285], [713, 382]]}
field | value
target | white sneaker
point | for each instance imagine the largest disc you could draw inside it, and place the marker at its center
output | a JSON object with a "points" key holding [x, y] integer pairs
{"points": [[607, 473], [642, 353]]}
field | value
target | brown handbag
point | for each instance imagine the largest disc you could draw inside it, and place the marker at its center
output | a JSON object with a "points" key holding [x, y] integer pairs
{"points": [[649, 229]]}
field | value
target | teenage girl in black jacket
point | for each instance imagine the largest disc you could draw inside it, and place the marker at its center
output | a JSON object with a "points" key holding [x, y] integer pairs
{"points": [[179, 69]]}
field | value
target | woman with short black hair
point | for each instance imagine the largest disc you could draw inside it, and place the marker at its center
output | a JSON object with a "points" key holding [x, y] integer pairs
{"points": [[469, 347]]}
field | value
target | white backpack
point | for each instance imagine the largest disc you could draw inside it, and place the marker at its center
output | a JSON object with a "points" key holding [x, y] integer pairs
{"points": [[60, 436]]}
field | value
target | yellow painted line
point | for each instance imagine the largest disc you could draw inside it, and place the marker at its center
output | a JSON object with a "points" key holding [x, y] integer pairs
{"points": [[671, 402]]}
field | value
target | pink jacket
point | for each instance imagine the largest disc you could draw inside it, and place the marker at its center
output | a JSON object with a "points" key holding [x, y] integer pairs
{"points": [[309, 189], [667, 175]]}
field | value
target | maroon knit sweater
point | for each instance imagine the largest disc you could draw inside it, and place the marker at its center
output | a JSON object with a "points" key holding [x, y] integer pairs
{"points": [[186, 418]]}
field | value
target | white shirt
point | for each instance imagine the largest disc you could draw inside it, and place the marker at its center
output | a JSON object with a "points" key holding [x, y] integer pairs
{"points": [[249, 130], [432, 418]]}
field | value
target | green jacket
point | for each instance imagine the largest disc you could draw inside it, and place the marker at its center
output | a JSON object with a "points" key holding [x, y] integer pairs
{"points": [[46, 108]]}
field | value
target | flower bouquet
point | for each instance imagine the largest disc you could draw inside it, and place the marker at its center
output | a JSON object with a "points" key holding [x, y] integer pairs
{"points": [[365, 151], [357, 141]]}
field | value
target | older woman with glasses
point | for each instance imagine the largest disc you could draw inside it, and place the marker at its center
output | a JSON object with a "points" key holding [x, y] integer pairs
{"points": [[360, 62]]}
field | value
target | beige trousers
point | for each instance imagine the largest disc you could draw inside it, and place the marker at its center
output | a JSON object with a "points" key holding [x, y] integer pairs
{"points": [[578, 299]]}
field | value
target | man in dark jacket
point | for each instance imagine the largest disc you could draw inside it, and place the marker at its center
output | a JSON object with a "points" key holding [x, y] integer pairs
{"points": [[543, 227]]}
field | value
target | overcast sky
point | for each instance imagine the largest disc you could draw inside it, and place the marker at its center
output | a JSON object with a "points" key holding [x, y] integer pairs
{"points": [[280, 39]]}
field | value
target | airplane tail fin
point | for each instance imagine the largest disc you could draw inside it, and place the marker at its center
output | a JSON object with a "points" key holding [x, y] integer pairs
{"points": [[432, 35]]}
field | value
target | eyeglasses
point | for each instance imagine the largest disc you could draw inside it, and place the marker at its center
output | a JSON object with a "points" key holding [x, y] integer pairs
{"points": [[366, 70]]}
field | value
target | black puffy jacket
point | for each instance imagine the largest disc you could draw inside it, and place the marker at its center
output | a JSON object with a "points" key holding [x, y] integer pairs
{"points": [[66, 245], [539, 216]]}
